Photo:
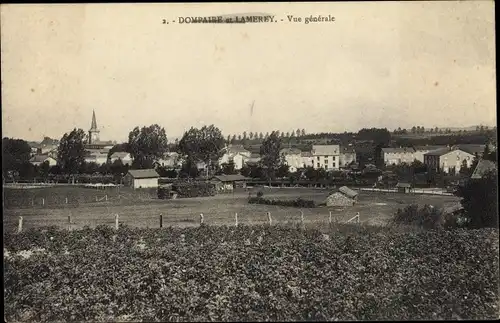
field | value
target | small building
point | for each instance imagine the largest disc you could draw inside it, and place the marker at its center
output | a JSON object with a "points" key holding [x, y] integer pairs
{"points": [[348, 192], [403, 187], [229, 182], [37, 160], [141, 178], [121, 155]]}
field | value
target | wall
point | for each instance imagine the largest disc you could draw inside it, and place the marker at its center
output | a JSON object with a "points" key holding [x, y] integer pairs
{"points": [[330, 161], [455, 159], [399, 158], [145, 182], [294, 162]]}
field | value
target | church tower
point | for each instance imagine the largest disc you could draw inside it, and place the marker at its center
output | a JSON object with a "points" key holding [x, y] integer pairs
{"points": [[93, 132]]}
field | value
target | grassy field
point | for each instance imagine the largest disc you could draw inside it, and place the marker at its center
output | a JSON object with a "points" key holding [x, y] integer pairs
{"points": [[141, 210]]}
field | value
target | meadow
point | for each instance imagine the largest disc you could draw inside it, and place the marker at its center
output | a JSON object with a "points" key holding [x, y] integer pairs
{"points": [[142, 209]]}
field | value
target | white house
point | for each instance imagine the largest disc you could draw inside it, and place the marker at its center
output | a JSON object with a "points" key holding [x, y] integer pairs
{"points": [[98, 158], [307, 159], [420, 151], [397, 156], [326, 156], [447, 159], [141, 178], [237, 154], [125, 157], [293, 158], [37, 160]]}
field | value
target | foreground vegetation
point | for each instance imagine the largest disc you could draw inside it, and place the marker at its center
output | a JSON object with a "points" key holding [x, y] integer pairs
{"points": [[250, 273]]}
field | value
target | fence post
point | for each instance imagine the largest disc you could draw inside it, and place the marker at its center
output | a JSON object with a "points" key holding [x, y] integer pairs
{"points": [[69, 222], [106, 197], [302, 218], [236, 219], [161, 220], [330, 218], [201, 218], [43, 201], [32, 202], [116, 221], [20, 227], [269, 217], [357, 214], [96, 198], [66, 200]]}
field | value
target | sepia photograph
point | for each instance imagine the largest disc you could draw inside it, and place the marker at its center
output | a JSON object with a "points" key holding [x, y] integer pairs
{"points": [[195, 162]]}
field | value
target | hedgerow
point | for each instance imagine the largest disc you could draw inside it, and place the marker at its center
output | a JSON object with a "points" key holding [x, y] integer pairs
{"points": [[250, 273], [194, 189], [293, 203]]}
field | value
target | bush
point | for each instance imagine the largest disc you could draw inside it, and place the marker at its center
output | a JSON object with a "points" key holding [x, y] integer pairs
{"points": [[292, 203], [260, 194], [427, 217], [163, 193], [194, 189]]}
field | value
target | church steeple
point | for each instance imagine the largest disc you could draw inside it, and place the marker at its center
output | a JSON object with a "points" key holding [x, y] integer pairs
{"points": [[93, 126], [93, 132]]}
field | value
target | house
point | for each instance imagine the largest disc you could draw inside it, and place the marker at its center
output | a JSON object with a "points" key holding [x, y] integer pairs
{"points": [[125, 157], [293, 158], [96, 157], [348, 192], [228, 182], [483, 166], [447, 159], [347, 157], [141, 178], [403, 187], [253, 160], [326, 156], [307, 159], [397, 156], [170, 159], [37, 160], [236, 154], [471, 148], [420, 151]]}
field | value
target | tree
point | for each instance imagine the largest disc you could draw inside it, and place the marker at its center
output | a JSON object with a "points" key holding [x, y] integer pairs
{"points": [[244, 135], [71, 151], [44, 169], [297, 133], [479, 199], [146, 145], [239, 137], [422, 129], [413, 129], [228, 139], [464, 168], [282, 135], [251, 135], [431, 130], [202, 145], [267, 135], [283, 170], [189, 169], [271, 157], [288, 134], [15, 152], [228, 168], [261, 135], [233, 140], [123, 147], [303, 133]]}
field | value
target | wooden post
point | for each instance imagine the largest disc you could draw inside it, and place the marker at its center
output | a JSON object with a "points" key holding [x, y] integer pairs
{"points": [[236, 219], [330, 218], [302, 218], [20, 227], [96, 198], [43, 201], [69, 222], [32, 202], [106, 197], [66, 200], [201, 218], [161, 220], [269, 217], [116, 221], [357, 214]]}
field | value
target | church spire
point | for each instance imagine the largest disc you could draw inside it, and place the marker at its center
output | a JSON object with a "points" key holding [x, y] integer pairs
{"points": [[93, 126]]}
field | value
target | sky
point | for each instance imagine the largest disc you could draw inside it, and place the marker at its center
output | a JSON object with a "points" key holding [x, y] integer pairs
{"points": [[379, 64]]}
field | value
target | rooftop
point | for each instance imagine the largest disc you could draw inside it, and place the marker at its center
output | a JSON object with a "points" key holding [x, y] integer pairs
{"points": [[348, 192], [438, 152], [143, 173], [400, 150], [483, 166], [325, 150], [290, 151]]}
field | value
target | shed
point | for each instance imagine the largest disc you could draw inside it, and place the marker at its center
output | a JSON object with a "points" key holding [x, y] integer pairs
{"points": [[348, 192], [403, 187], [142, 178], [229, 182]]}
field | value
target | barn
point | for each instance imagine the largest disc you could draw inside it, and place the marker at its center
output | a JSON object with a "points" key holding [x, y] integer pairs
{"points": [[228, 182], [142, 178]]}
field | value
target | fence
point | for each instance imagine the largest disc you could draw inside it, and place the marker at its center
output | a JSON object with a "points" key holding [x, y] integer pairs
{"points": [[412, 191], [160, 221]]}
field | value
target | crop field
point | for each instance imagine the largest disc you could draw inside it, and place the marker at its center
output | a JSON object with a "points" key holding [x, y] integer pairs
{"points": [[140, 210], [250, 273]]}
